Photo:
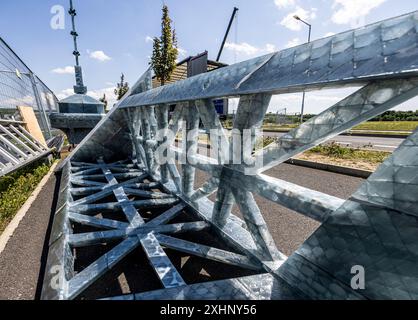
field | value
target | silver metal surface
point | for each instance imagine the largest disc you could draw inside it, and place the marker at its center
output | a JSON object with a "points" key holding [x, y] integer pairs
{"points": [[18, 147], [20, 87], [374, 229]]}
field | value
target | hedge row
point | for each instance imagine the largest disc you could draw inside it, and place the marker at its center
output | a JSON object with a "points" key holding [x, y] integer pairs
{"points": [[16, 188]]}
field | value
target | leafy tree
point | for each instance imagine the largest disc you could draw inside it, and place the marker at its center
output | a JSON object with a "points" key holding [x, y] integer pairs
{"points": [[165, 52], [104, 100], [121, 88]]}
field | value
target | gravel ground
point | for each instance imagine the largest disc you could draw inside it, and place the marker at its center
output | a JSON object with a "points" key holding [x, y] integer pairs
{"points": [[22, 261]]}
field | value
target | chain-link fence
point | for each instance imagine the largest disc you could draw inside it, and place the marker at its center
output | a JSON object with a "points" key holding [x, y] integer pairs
{"points": [[20, 87]]}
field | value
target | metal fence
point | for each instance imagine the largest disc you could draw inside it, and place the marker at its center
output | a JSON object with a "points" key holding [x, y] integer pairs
{"points": [[19, 86]]}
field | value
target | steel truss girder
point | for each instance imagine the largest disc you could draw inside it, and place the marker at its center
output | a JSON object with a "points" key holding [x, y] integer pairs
{"points": [[381, 58]]}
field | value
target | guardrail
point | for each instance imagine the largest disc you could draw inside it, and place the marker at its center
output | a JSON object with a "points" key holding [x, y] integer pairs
{"points": [[132, 152]]}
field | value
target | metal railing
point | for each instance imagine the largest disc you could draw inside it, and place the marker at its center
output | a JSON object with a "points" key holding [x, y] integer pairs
{"points": [[18, 147], [19, 86], [133, 151]]}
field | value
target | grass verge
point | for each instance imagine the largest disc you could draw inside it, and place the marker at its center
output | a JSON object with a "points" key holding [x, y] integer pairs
{"points": [[388, 126], [378, 127], [16, 188], [335, 154], [334, 150]]}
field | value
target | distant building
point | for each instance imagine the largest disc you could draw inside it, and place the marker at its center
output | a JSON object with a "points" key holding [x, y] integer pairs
{"points": [[193, 66]]}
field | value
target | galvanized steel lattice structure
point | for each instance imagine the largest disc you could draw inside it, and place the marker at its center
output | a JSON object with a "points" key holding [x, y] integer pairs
{"points": [[18, 147], [19, 86], [376, 228]]}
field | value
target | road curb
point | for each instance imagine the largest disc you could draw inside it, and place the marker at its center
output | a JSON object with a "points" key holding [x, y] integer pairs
{"points": [[12, 226], [376, 135], [331, 168]]}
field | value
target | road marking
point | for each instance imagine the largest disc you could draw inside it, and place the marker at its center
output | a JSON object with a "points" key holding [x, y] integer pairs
{"points": [[382, 146]]}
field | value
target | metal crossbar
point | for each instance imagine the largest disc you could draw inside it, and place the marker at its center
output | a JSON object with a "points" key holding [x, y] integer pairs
{"points": [[151, 235], [18, 147], [376, 228]]}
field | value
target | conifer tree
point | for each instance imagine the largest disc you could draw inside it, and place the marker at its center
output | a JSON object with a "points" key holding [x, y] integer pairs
{"points": [[122, 87], [165, 52]]}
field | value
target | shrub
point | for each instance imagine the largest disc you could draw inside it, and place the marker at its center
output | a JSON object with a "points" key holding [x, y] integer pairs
{"points": [[334, 150], [16, 188]]}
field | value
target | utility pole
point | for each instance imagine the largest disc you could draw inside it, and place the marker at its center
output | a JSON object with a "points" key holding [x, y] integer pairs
{"points": [[309, 40]]}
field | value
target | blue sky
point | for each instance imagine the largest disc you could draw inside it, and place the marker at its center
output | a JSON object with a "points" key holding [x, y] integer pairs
{"points": [[114, 36]]}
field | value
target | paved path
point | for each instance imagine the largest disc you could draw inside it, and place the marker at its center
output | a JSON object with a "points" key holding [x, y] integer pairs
{"points": [[25, 255]]}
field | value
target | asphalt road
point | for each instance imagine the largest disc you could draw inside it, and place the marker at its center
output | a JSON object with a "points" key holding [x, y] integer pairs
{"points": [[375, 143], [23, 260]]}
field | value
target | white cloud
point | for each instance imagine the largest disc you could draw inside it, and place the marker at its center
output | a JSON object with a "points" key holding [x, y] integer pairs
{"points": [[291, 23], [243, 48], [26, 100], [284, 3], [65, 93], [270, 48], [293, 43], [148, 39], [353, 11], [246, 49], [99, 55], [316, 101], [329, 34], [109, 92], [182, 52], [65, 70]]}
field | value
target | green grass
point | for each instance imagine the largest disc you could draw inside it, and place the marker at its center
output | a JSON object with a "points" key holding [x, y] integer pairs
{"points": [[334, 150], [16, 188], [264, 142], [283, 127], [388, 126], [373, 126]]}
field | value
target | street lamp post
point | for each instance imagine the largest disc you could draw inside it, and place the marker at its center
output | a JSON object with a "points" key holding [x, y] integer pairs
{"points": [[309, 40]]}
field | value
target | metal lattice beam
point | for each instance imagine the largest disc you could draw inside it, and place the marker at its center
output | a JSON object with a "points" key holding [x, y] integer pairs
{"points": [[375, 228]]}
